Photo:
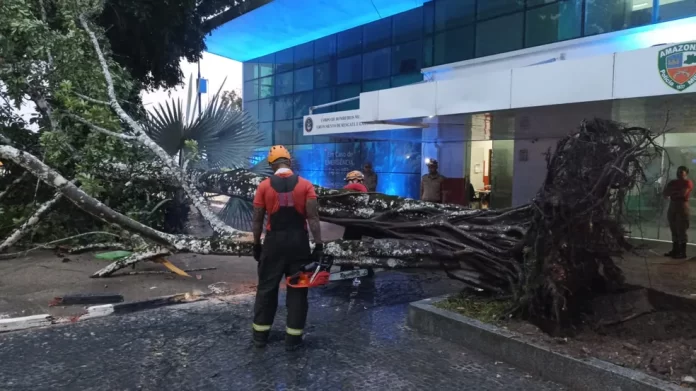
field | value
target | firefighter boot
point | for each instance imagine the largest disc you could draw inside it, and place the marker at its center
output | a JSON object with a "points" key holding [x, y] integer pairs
{"points": [[673, 251], [293, 342], [260, 338], [681, 251]]}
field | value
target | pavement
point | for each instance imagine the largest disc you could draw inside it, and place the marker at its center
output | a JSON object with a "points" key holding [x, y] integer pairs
{"points": [[356, 340], [648, 267]]}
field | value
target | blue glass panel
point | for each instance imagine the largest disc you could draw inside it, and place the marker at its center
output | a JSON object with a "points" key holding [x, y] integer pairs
{"points": [[283, 84], [282, 132], [378, 153], [266, 110], [454, 13], [298, 133], [405, 157], [325, 49], [304, 54], [376, 64], [266, 128], [251, 70], [326, 95], [302, 103], [454, 45], [251, 90], [407, 58], [304, 79], [605, 16], [377, 34], [554, 22], [267, 65], [349, 42], [346, 158], [284, 107], [404, 80], [252, 107], [376, 84], [324, 74], [492, 8], [345, 92], [349, 70], [429, 18], [403, 185], [284, 60], [500, 35], [266, 87], [407, 26]]}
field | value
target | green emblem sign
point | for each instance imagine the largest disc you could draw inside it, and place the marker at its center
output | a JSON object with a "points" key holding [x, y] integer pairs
{"points": [[677, 65]]}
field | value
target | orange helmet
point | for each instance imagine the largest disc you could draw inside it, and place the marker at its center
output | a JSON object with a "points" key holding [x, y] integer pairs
{"points": [[278, 152], [355, 175]]}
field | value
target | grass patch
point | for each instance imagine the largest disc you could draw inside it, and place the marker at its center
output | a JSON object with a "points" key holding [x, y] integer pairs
{"points": [[485, 309]]}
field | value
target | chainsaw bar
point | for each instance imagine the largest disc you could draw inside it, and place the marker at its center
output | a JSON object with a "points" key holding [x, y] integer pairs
{"points": [[348, 274]]}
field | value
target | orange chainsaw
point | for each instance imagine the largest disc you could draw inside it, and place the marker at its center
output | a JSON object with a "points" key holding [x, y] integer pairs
{"points": [[318, 274]]}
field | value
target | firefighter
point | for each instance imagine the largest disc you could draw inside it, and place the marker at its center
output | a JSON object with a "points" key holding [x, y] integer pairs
{"points": [[355, 181], [431, 183], [290, 204], [678, 192]]}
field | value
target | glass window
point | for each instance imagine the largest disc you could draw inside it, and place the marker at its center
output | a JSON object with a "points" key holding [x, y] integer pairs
{"points": [[324, 74], [492, 8], [604, 16], [429, 17], [428, 50], [283, 84], [322, 96], [377, 34], [266, 65], [676, 9], [407, 26], [298, 131], [266, 129], [376, 64], [304, 79], [282, 132], [251, 70], [454, 45], [349, 70], [349, 42], [303, 102], [553, 23], [284, 107], [251, 90], [499, 35], [404, 80], [325, 49], [304, 54], [345, 92], [284, 60], [377, 84], [453, 13], [407, 57], [253, 109], [265, 110], [266, 89]]}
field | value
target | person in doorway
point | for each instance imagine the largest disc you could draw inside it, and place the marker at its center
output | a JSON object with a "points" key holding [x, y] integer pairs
{"points": [[678, 191], [370, 178], [431, 183], [470, 192], [290, 202], [355, 182]]}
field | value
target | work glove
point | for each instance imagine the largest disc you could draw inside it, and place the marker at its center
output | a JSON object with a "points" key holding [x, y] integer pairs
{"points": [[318, 252], [257, 251]]}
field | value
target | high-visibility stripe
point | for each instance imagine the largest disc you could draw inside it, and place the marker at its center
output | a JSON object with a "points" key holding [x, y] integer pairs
{"points": [[293, 331], [260, 327]]}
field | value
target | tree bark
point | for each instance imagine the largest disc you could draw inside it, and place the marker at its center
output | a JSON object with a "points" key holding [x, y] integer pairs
{"points": [[30, 223]]}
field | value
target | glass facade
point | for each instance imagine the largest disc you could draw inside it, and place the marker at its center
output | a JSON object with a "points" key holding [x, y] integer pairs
{"points": [[280, 87]]}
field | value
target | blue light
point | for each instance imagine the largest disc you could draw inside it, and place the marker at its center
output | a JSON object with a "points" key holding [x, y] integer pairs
{"points": [[281, 24]]}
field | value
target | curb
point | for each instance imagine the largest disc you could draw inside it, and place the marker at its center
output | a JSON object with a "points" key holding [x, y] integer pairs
{"points": [[99, 311], [578, 374]]}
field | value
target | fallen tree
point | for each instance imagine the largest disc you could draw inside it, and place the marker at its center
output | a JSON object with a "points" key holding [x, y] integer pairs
{"points": [[551, 256]]}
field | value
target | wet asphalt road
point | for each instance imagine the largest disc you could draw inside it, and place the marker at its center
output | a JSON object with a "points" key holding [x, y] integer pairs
{"points": [[356, 340]]}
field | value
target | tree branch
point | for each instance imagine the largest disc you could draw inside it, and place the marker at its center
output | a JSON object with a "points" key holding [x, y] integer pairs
{"points": [[100, 129], [30, 223], [141, 135], [14, 183]]}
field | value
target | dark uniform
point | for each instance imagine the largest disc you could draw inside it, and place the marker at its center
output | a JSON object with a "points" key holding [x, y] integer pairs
{"points": [[285, 250], [678, 191]]}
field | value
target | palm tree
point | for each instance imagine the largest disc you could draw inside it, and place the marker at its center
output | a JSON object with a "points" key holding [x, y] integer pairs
{"points": [[217, 137]]}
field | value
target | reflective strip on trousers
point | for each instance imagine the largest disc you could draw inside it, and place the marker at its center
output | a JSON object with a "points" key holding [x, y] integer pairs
{"points": [[293, 331], [258, 327]]}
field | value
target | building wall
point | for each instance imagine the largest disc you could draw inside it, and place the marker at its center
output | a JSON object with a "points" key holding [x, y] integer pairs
{"points": [[279, 88]]}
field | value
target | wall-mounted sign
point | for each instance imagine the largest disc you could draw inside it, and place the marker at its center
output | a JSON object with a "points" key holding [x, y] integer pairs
{"points": [[343, 122], [524, 155], [677, 65]]}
